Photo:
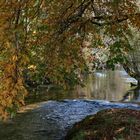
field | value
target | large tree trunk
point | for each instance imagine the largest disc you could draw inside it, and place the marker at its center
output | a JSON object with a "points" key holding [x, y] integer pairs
{"points": [[138, 83]]}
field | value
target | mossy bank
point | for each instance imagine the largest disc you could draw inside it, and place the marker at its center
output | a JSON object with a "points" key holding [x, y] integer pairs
{"points": [[110, 124]]}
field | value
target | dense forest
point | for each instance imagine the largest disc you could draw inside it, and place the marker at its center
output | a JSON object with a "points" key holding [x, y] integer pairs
{"points": [[43, 41]]}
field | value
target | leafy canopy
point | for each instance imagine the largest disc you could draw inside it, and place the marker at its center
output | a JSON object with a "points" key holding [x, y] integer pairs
{"points": [[51, 34]]}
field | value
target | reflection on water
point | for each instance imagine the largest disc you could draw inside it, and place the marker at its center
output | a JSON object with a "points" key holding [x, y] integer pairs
{"points": [[102, 85], [107, 85]]}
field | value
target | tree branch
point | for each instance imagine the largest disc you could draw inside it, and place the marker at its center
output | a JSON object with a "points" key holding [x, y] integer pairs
{"points": [[100, 20]]}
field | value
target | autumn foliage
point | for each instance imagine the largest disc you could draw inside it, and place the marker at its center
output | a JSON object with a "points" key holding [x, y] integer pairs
{"points": [[50, 35]]}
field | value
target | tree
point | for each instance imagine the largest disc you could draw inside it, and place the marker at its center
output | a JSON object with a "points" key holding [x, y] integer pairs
{"points": [[132, 65], [96, 20], [17, 22], [50, 36]]}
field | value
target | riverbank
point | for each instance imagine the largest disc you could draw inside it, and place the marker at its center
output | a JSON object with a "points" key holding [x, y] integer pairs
{"points": [[110, 124]]}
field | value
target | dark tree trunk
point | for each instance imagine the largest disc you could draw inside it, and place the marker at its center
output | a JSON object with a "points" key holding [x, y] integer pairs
{"points": [[138, 83], [134, 74]]}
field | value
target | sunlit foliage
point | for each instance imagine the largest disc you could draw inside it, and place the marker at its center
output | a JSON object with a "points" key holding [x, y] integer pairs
{"points": [[17, 19]]}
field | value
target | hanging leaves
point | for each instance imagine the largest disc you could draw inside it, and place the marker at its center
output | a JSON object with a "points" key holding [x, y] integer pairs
{"points": [[51, 34]]}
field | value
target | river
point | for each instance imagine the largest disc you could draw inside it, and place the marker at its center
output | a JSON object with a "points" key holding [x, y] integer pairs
{"points": [[52, 113], [102, 85]]}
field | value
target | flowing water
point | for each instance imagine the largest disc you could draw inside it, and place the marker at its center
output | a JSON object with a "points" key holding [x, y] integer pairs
{"points": [[51, 119]]}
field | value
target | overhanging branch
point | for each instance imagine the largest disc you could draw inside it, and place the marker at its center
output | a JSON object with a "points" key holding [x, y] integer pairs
{"points": [[109, 20]]}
